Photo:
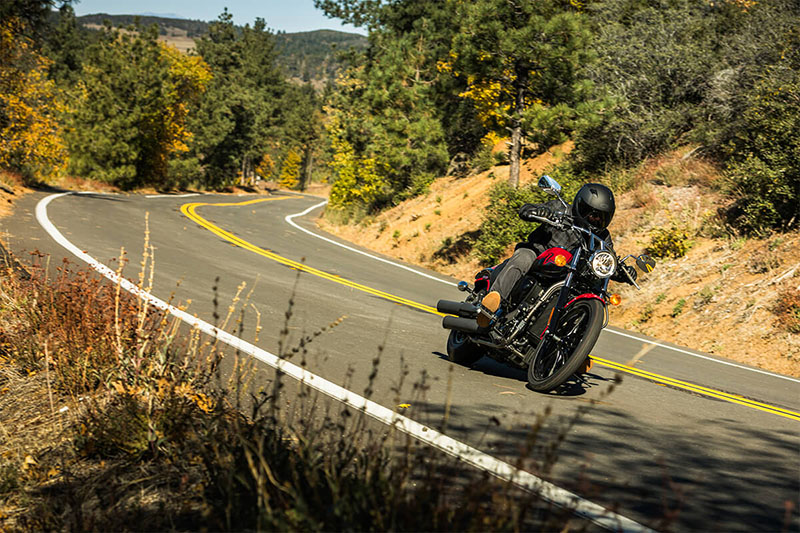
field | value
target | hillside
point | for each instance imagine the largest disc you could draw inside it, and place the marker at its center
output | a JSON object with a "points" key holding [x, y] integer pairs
{"points": [[721, 297], [312, 56], [306, 57]]}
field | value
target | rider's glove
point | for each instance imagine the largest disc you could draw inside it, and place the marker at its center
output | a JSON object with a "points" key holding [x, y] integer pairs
{"points": [[529, 212]]}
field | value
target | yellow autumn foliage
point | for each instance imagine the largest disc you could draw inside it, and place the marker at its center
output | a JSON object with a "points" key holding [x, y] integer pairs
{"points": [[30, 133], [357, 178], [189, 75], [290, 171]]}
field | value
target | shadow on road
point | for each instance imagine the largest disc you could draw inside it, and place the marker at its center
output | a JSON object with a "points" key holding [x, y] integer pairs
{"points": [[730, 477]]}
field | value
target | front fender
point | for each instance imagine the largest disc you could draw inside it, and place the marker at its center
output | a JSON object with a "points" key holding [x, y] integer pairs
{"points": [[587, 296]]}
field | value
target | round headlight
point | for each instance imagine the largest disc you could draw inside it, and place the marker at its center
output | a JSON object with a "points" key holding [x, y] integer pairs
{"points": [[603, 264]]}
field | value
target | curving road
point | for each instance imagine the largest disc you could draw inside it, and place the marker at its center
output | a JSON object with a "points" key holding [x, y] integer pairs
{"points": [[712, 445]]}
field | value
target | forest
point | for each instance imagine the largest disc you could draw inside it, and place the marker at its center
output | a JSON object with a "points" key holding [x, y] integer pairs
{"points": [[437, 86]]}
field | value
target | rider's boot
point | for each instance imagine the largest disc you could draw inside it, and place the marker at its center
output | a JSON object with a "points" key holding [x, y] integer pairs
{"points": [[587, 365], [491, 302]]}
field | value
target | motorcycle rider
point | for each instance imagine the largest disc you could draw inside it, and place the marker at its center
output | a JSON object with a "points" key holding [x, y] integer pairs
{"points": [[593, 208]]}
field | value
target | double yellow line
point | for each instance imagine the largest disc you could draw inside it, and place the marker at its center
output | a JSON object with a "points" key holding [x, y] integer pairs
{"points": [[190, 210], [705, 391]]}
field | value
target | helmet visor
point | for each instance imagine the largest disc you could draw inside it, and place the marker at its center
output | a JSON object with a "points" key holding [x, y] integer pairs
{"points": [[596, 218]]}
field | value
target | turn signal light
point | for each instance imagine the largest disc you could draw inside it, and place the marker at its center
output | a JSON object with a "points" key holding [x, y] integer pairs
{"points": [[560, 260], [615, 299]]}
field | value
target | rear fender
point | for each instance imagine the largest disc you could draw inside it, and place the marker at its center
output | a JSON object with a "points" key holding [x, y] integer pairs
{"points": [[483, 279]]}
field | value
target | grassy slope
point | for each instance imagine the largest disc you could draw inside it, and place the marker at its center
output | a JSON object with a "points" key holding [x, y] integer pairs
{"points": [[729, 286]]}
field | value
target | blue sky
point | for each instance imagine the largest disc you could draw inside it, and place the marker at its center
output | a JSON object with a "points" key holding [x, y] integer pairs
{"points": [[285, 15]]}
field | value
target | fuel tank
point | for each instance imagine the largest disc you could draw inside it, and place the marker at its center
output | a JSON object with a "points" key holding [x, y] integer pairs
{"points": [[550, 263]]}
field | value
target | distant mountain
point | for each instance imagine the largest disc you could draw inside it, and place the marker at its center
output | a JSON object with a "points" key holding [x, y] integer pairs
{"points": [[163, 16], [309, 56], [192, 28]]}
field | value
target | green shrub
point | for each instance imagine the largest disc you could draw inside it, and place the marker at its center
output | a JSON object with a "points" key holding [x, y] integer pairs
{"points": [[420, 184], [647, 313], [678, 309], [671, 242], [502, 225], [482, 160], [184, 172], [764, 170]]}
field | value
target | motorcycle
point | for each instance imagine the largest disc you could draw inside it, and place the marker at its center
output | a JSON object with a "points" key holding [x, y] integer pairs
{"points": [[553, 316]]}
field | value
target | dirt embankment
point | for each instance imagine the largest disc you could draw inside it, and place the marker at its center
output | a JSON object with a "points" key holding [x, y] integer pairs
{"points": [[720, 297]]}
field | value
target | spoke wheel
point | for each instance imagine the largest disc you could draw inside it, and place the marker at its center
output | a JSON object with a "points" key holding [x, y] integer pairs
{"points": [[556, 360]]}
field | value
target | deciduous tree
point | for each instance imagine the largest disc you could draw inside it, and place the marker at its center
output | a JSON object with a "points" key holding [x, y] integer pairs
{"points": [[30, 107]]}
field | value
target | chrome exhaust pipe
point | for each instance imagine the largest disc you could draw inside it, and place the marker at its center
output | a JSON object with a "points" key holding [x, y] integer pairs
{"points": [[461, 309], [466, 325]]}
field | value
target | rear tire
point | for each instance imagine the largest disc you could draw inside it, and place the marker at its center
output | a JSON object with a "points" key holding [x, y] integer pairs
{"points": [[461, 350], [579, 328]]}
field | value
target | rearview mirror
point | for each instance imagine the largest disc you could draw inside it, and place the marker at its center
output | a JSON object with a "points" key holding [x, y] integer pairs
{"points": [[548, 184], [645, 263]]}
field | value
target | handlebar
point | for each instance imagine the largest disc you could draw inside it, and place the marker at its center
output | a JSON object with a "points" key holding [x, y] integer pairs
{"points": [[565, 222]]}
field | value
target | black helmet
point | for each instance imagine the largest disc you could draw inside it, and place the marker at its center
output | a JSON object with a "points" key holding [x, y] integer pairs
{"points": [[594, 205]]}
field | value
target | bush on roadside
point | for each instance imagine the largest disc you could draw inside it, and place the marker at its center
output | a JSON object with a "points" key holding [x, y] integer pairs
{"points": [[82, 324], [764, 152], [669, 242], [154, 432], [501, 225], [788, 310]]}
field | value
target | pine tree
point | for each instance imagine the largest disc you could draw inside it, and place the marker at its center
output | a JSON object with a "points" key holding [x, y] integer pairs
{"points": [[130, 115], [240, 112], [522, 60]]}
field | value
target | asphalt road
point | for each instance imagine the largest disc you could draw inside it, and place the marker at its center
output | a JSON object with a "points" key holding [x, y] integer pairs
{"points": [[706, 444]]}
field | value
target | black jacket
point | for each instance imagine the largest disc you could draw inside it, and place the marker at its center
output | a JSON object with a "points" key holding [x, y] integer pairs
{"points": [[547, 236]]}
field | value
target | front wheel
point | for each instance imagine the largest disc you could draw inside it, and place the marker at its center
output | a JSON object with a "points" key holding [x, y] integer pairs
{"points": [[556, 360], [461, 350]]}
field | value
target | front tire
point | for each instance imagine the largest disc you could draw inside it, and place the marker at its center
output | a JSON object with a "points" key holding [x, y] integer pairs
{"points": [[461, 350], [554, 361]]}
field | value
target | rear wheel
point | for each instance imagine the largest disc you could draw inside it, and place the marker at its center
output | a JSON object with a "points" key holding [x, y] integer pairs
{"points": [[461, 350], [556, 360]]}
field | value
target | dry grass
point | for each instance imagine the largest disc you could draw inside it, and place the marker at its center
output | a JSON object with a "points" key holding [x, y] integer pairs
{"points": [[11, 189], [112, 420]]}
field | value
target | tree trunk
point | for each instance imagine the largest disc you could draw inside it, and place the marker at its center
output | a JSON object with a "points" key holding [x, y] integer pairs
{"points": [[305, 178], [514, 153], [516, 130]]}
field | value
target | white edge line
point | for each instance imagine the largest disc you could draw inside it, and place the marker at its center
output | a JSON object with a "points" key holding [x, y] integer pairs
{"points": [[350, 248], [500, 469], [660, 345]]}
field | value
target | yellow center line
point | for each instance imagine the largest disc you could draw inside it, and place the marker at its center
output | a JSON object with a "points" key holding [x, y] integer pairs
{"points": [[733, 398], [190, 211]]}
